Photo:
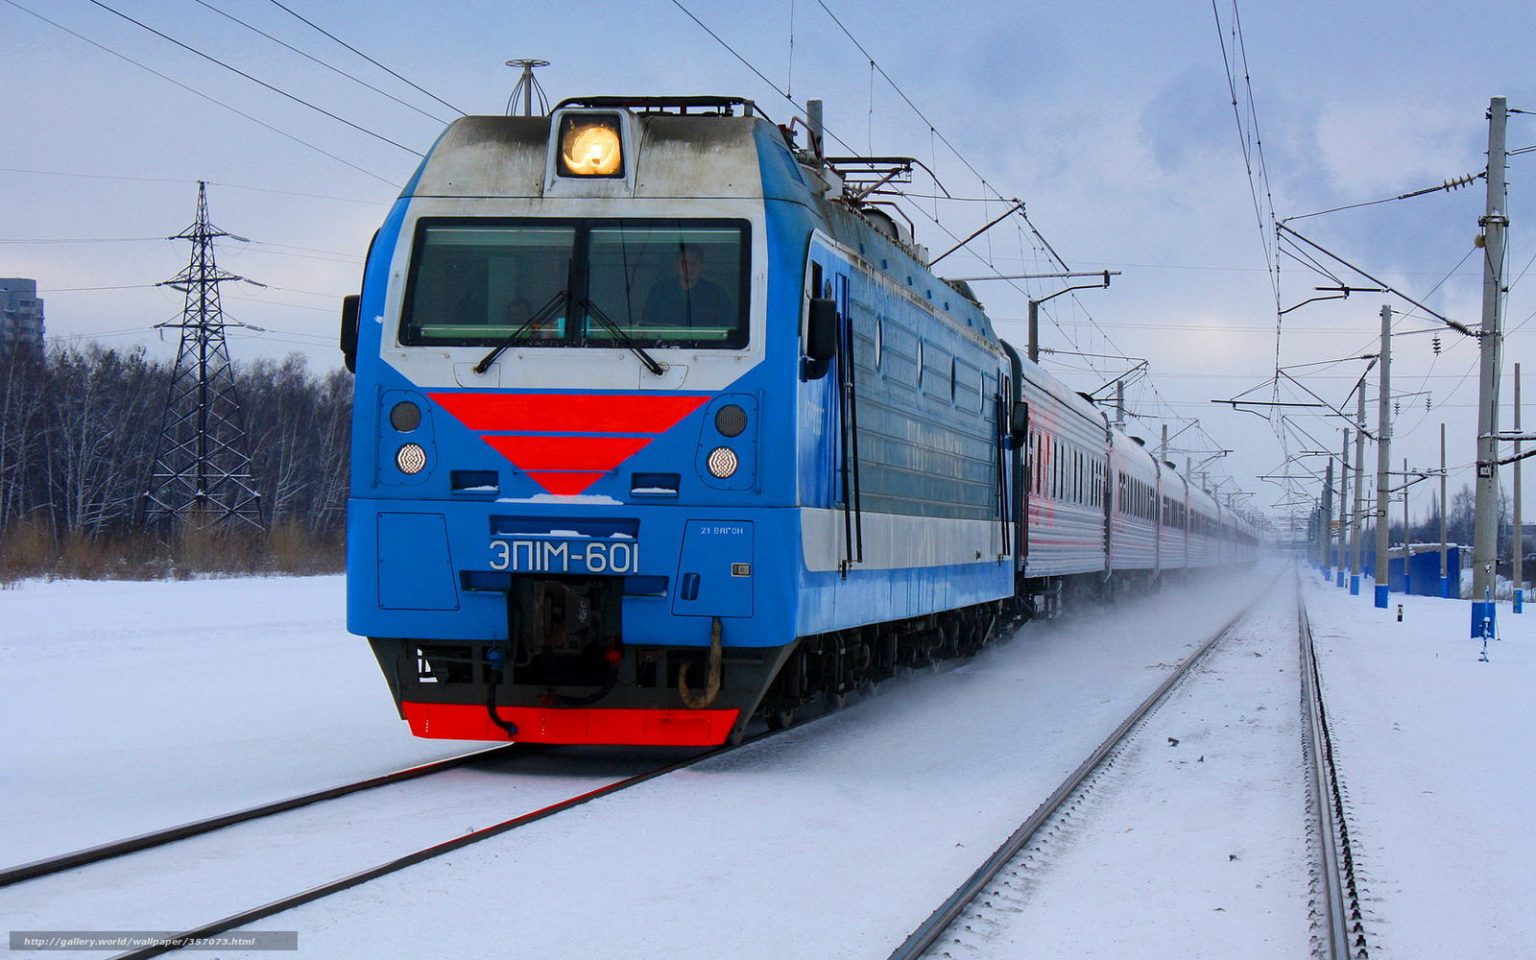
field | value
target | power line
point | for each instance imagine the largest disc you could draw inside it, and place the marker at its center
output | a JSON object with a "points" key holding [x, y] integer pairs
{"points": [[365, 56], [235, 110], [1240, 49], [1447, 186], [986, 185], [314, 59], [183, 181], [261, 83]]}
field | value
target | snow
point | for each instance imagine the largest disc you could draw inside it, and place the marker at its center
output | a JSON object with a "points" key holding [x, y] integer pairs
{"points": [[132, 706], [1198, 824], [1434, 747]]}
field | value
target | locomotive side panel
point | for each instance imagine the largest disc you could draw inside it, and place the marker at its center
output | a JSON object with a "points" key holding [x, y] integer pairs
{"points": [[912, 522]]}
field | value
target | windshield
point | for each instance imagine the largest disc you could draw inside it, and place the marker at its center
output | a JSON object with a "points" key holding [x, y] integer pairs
{"points": [[656, 283]]}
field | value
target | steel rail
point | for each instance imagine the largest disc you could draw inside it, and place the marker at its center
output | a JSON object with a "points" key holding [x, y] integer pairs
{"points": [[176, 941], [157, 838], [1343, 935], [929, 932]]}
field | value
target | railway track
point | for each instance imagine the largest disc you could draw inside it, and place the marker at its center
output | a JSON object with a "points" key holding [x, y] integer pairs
{"points": [[1339, 932], [1335, 909], [433, 851], [320, 891], [957, 905], [159, 838], [394, 864]]}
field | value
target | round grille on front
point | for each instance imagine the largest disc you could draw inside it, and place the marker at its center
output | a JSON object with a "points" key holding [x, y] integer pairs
{"points": [[730, 420], [405, 416], [411, 458], [722, 462]]}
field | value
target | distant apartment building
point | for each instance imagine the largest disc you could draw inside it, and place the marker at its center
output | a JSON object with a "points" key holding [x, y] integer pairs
{"points": [[21, 315]]}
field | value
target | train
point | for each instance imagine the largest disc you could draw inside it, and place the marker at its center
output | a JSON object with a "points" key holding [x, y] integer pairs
{"points": [[662, 423]]}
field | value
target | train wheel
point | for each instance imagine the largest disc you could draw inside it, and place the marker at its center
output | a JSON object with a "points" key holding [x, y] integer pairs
{"points": [[780, 719]]}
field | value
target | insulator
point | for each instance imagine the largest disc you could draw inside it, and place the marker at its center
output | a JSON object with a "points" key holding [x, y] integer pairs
{"points": [[1397, 407], [1427, 404], [1435, 342]]}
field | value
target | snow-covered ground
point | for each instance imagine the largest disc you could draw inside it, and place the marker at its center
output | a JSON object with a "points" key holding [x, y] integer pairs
{"points": [[1199, 824], [1434, 747], [129, 707], [132, 706]]}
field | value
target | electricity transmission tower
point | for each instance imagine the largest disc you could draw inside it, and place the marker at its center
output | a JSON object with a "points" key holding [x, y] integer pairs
{"points": [[202, 471]]}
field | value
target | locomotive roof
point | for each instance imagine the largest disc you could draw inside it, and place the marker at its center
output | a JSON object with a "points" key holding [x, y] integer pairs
{"points": [[676, 156]]}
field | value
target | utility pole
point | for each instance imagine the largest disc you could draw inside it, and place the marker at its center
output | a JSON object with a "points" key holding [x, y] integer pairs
{"points": [[1494, 222], [1519, 606], [1445, 579], [1354, 524], [1383, 456], [1343, 508], [1325, 534], [1162, 449], [1407, 541], [1034, 302], [1120, 404]]}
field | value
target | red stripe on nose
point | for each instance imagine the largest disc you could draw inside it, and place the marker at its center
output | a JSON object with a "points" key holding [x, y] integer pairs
{"points": [[568, 453], [565, 484], [568, 413]]}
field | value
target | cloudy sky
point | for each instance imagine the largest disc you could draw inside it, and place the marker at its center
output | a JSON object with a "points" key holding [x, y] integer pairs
{"points": [[1112, 121]]}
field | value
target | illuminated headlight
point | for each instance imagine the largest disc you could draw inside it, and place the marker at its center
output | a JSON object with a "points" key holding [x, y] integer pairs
{"points": [[723, 462], [590, 146], [411, 458]]}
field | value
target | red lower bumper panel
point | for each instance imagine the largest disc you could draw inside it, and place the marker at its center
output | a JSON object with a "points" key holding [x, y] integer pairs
{"points": [[573, 725]]}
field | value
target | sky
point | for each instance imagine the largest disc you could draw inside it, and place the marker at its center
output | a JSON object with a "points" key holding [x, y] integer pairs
{"points": [[1113, 122]]}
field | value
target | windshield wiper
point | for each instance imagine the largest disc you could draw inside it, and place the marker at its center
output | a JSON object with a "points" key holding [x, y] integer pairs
{"points": [[624, 338], [521, 333]]}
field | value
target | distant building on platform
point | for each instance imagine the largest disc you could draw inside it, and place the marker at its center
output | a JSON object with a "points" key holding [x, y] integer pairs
{"points": [[21, 315]]}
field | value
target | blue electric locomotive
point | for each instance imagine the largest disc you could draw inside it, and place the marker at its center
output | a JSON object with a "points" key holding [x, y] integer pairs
{"points": [[658, 429]]}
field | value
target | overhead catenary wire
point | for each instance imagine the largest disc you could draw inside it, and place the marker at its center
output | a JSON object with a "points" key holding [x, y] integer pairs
{"points": [[198, 93], [259, 82], [185, 181], [286, 9], [316, 60], [1448, 186], [934, 132]]}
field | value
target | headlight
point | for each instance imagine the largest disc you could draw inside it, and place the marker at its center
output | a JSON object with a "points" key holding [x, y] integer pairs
{"points": [[590, 146], [405, 416], [723, 462], [730, 420], [411, 459]]}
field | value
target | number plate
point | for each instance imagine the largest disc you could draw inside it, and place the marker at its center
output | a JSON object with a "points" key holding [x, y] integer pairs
{"points": [[539, 555]]}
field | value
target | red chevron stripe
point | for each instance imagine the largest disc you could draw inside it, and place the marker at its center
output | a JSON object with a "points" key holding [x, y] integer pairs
{"points": [[568, 413], [565, 484], [567, 453]]}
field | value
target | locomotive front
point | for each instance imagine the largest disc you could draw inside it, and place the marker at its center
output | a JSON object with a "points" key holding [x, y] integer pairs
{"points": [[563, 501]]}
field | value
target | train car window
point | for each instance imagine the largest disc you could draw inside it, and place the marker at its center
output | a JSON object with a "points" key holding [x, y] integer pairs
{"points": [[663, 283]]}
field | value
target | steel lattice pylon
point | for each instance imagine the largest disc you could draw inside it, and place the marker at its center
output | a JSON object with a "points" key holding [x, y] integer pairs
{"points": [[202, 471]]}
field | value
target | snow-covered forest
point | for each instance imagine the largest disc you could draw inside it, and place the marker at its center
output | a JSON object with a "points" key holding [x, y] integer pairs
{"points": [[78, 429]]}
